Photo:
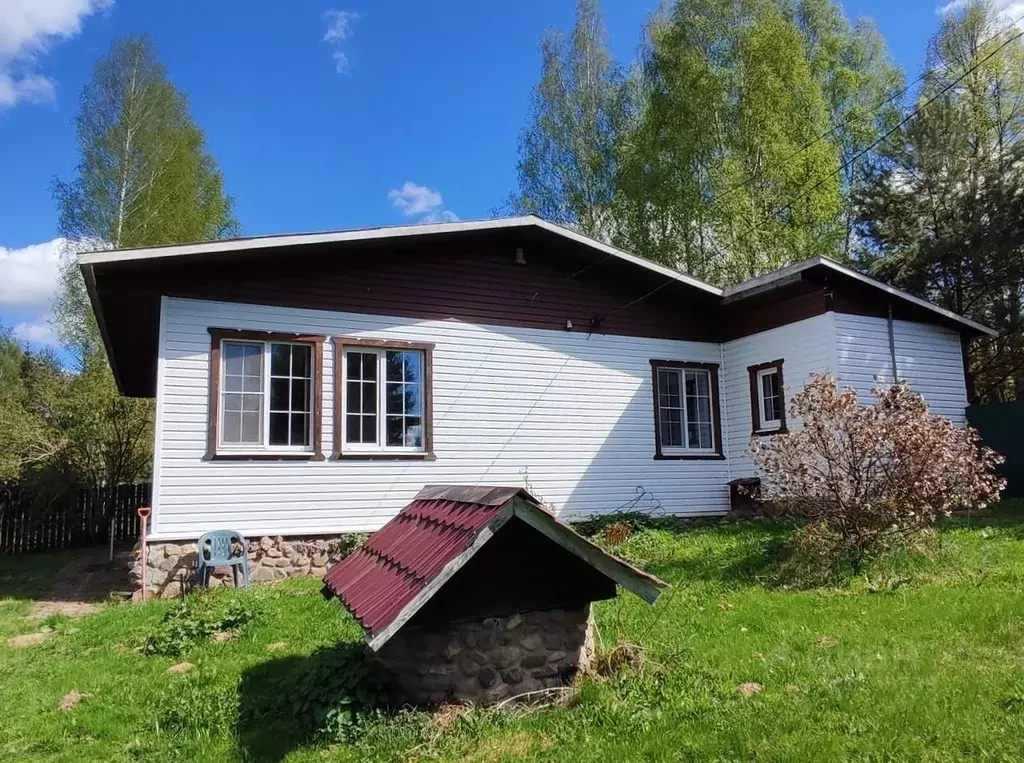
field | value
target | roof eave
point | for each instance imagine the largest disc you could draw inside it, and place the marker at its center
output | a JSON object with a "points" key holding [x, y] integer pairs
{"points": [[786, 274]]}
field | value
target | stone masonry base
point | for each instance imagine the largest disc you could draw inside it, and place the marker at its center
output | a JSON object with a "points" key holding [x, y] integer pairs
{"points": [[172, 566], [488, 660]]}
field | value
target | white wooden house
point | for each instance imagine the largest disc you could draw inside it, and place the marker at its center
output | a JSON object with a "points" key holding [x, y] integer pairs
{"points": [[311, 385]]}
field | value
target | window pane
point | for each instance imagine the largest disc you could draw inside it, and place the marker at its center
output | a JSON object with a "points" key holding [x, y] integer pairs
{"points": [[252, 403], [394, 367], [278, 395], [668, 384], [300, 395], [352, 429], [369, 366], [301, 360], [300, 429], [412, 400], [278, 428], [252, 359], [252, 383], [233, 383], [369, 429], [700, 435], [279, 359], [369, 397], [352, 396], [355, 367], [232, 358], [396, 398], [232, 427], [413, 432], [232, 402], [251, 428]]}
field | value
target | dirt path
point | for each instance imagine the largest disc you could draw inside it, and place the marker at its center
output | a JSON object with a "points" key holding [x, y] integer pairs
{"points": [[83, 583]]}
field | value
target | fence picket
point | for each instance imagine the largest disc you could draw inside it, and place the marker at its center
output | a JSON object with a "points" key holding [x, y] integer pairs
{"points": [[71, 523]]}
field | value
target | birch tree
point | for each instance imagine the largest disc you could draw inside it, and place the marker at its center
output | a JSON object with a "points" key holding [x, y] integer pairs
{"points": [[143, 178], [566, 167]]}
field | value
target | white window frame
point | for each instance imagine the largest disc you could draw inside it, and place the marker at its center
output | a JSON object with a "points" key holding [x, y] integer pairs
{"points": [[380, 446], [685, 449], [766, 424], [264, 446]]}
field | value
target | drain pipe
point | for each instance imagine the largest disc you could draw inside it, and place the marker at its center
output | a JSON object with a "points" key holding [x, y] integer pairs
{"points": [[143, 512], [892, 345]]}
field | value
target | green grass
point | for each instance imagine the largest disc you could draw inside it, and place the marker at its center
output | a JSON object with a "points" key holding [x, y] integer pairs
{"points": [[921, 658]]}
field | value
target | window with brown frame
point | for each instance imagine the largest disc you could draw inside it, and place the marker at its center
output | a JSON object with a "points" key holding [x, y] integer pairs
{"points": [[266, 395], [767, 398], [687, 418], [383, 401]]}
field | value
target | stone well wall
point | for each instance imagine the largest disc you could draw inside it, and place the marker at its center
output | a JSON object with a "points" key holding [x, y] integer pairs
{"points": [[492, 659], [172, 565]]}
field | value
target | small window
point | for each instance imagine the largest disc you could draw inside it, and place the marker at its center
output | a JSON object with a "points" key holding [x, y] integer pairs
{"points": [[686, 410], [767, 398], [265, 395], [385, 401]]}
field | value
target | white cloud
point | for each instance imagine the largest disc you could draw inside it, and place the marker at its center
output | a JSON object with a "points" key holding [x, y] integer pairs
{"points": [[37, 332], [28, 29], [1005, 9], [339, 29], [29, 276], [414, 200]]}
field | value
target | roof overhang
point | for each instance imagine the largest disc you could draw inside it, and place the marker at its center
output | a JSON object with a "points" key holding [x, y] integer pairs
{"points": [[125, 286], [825, 266]]}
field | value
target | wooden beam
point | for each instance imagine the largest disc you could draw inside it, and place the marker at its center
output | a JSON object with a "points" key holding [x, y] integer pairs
{"points": [[647, 587]]}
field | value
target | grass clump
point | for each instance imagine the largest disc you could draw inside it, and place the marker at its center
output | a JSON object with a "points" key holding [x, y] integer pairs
{"points": [[196, 619]]}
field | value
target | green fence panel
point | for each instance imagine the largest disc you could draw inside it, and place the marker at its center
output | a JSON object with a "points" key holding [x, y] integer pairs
{"points": [[1001, 426]]}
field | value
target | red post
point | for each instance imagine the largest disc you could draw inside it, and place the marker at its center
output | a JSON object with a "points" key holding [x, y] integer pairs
{"points": [[143, 512]]}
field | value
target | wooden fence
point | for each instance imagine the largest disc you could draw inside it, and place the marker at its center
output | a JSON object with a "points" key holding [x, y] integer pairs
{"points": [[72, 522]]}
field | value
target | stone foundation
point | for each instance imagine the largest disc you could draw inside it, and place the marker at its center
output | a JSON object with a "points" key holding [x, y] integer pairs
{"points": [[172, 566], [488, 660]]}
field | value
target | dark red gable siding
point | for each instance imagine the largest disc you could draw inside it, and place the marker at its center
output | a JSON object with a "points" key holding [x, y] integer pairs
{"points": [[377, 581], [473, 278]]}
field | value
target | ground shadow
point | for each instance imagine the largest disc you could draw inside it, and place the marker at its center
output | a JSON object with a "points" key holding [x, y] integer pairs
{"points": [[78, 575], [283, 703]]}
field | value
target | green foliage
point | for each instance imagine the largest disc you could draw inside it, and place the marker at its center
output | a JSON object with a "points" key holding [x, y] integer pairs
{"points": [[203, 705], [916, 658], [342, 692], [941, 215], [143, 178], [567, 153], [196, 619], [347, 543], [722, 153]]}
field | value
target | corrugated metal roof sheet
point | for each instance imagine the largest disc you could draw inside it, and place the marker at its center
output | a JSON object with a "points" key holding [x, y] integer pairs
{"points": [[377, 581], [381, 579]]}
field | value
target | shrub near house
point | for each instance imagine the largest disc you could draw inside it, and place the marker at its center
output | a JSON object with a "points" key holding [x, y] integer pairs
{"points": [[868, 476]]}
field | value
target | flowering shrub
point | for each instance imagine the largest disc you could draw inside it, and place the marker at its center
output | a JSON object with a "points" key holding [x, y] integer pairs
{"points": [[869, 475]]}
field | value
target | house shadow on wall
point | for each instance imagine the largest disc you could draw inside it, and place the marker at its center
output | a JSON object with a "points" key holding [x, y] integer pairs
{"points": [[285, 702]]}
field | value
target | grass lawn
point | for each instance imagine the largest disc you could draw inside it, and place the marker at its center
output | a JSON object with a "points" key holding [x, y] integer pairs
{"points": [[918, 659]]}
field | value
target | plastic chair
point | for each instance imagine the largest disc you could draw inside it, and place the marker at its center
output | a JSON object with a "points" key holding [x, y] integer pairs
{"points": [[217, 549]]}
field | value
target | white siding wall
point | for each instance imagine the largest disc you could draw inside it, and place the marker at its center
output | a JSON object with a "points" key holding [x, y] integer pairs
{"points": [[928, 357], [572, 412], [805, 346]]}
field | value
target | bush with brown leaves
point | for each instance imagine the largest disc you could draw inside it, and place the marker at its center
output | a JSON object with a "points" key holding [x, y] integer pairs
{"points": [[868, 476]]}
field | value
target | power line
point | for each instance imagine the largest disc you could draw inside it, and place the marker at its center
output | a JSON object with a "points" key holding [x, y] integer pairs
{"points": [[829, 132], [807, 191]]}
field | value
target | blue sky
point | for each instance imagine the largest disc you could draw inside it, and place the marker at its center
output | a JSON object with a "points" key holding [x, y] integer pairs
{"points": [[322, 114]]}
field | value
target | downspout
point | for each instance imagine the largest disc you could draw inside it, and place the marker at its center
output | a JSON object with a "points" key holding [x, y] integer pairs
{"points": [[892, 345]]}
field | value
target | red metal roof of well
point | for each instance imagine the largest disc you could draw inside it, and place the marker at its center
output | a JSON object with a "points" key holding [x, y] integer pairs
{"points": [[378, 580]]}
